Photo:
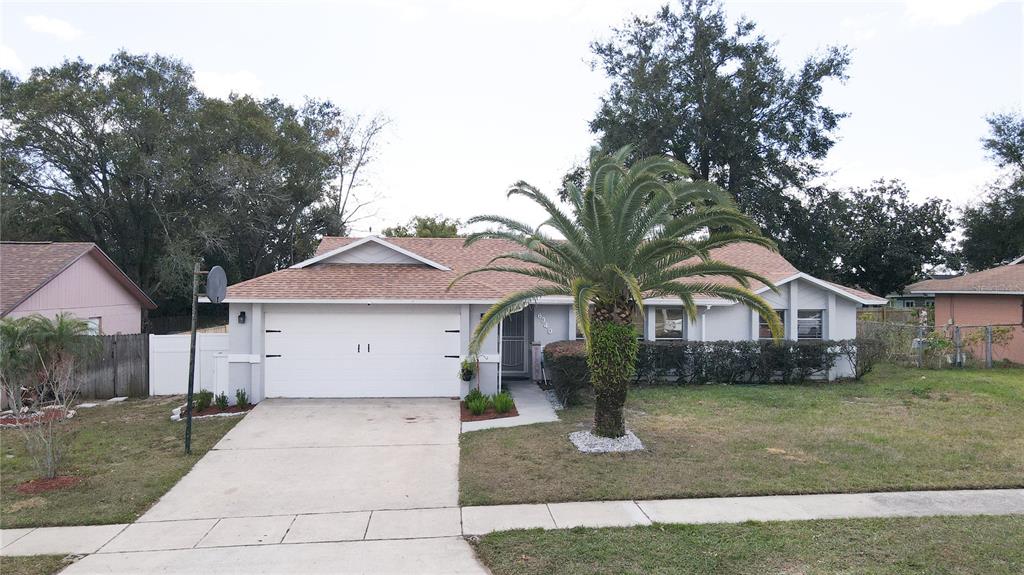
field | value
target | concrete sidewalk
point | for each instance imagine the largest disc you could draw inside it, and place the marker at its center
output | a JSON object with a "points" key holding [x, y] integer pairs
{"points": [[485, 519], [377, 535]]}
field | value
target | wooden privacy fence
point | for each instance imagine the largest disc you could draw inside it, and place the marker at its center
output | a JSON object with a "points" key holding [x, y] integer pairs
{"points": [[120, 368]]}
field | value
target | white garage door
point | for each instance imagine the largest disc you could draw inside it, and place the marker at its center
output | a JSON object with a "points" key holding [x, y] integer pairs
{"points": [[362, 351]]}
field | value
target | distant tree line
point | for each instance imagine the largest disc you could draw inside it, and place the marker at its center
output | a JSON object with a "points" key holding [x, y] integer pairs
{"points": [[130, 155]]}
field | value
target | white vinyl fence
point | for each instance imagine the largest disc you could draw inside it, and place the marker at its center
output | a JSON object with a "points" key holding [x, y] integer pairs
{"points": [[168, 363]]}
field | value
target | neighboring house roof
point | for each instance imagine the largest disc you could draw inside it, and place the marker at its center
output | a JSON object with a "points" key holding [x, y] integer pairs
{"points": [[443, 259], [1008, 279], [25, 267]]}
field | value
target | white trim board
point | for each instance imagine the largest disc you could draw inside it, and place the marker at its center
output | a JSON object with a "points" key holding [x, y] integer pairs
{"points": [[369, 239], [824, 284], [972, 292]]}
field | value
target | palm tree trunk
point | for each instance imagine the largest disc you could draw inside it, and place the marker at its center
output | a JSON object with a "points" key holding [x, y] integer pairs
{"points": [[612, 362]]}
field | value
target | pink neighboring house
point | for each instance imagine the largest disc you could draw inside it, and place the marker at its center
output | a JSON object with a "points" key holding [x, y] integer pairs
{"points": [[77, 277]]}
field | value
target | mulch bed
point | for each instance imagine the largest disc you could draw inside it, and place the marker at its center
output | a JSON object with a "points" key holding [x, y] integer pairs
{"points": [[214, 410], [43, 485], [34, 418], [489, 414]]}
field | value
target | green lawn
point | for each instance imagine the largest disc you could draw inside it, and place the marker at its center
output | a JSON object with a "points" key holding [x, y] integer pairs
{"points": [[932, 545], [899, 429], [130, 454], [34, 564]]}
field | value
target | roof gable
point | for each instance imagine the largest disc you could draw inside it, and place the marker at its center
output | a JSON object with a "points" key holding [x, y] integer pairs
{"points": [[25, 267], [368, 250]]}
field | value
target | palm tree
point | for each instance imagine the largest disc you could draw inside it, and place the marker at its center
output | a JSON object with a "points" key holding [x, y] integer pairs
{"points": [[642, 231]]}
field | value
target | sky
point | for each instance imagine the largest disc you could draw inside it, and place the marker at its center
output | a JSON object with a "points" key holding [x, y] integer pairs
{"points": [[482, 94]]}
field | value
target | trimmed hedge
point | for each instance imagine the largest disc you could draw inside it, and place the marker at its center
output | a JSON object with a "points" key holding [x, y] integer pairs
{"points": [[566, 363], [724, 362]]}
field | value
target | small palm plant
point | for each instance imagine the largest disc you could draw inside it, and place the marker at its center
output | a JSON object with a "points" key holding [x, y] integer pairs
{"points": [[38, 360], [636, 232]]}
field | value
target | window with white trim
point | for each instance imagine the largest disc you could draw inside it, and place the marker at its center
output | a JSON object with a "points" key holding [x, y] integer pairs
{"points": [[810, 324], [764, 331], [95, 325], [668, 323]]}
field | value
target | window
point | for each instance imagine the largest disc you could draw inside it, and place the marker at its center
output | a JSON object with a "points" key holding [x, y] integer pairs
{"points": [[95, 325], [909, 303], [763, 329], [638, 323], [668, 323], [809, 324]]}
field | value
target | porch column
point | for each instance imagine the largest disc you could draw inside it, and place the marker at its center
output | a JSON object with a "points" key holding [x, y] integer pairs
{"points": [[794, 306]]}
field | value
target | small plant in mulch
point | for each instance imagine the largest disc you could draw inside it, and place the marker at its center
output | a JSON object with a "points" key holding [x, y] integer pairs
{"points": [[478, 407], [206, 403], [202, 400]]}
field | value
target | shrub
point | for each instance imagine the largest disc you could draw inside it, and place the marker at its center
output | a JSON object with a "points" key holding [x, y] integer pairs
{"points": [[222, 401], [202, 399], [241, 398], [474, 394], [724, 362], [503, 402], [862, 354], [477, 405], [566, 363]]}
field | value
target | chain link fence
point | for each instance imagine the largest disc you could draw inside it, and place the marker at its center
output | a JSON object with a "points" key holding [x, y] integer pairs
{"points": [[921, 344]]}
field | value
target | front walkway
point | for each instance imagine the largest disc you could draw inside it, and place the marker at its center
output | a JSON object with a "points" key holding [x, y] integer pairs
{"points": [[532, 403]]}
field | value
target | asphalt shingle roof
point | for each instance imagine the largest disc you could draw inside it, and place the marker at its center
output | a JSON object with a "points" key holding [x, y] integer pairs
{"points": [[1008, 278], [332, 281]]}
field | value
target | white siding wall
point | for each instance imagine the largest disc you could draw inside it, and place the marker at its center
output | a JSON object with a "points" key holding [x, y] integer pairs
{"points": [[551, 323], [488, 376], [371, 253]]}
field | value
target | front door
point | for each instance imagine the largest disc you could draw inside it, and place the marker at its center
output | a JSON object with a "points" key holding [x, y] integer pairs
{"points": [[513, 344]]}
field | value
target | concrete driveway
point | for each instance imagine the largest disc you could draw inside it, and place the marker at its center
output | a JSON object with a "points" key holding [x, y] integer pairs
{"points": [[299, 456], [311, 486]]}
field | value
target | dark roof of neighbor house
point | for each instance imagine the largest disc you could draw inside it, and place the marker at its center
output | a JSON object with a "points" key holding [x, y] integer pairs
{"points": [[334, 281], [1001, 279], [25, 267]]}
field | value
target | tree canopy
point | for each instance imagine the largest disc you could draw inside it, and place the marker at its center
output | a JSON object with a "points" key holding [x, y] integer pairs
{"points": [[131, 156], [875, 237], [993, 228], [716, 97], [425, 227]]}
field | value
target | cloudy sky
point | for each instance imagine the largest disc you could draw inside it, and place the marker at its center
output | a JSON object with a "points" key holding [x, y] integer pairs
{"points": [[485, 93]]}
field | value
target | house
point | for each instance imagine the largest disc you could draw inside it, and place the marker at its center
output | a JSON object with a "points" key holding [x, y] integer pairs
{"points": [[907, 300], [52, 277], [990, 297], [373, 317]]}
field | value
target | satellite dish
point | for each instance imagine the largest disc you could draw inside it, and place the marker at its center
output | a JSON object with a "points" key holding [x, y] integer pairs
{"points": [[216, 284]]}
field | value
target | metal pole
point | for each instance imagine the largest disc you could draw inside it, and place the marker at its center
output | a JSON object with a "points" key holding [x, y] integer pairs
{"points": [[192, 360], [988, 346], [956, 341]]}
